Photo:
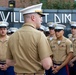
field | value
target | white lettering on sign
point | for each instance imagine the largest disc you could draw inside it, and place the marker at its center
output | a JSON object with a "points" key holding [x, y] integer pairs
{"points": [[63, 19], [3, 16], [46, 19], [17, 17], [11, 17], [21, 18], [14, 16]]}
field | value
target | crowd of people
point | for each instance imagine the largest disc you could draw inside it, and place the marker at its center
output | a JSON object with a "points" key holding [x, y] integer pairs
{"points": [[35, 49]]}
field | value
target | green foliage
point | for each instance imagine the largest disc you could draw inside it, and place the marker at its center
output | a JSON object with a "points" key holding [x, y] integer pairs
{"points": [[58, 4], [44, 3], [74, 5]]}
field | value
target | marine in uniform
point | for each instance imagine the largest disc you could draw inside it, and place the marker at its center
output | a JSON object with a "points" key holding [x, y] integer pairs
{"points": [[42, 28], [62, 52], [47, 31], [29, 47], [4, 69], [11, 30], [50, 38], [51, 31], [73, 39]]}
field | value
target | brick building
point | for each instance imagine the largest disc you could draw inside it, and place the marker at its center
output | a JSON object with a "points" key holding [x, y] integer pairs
{"points": [[18, 3], [24, 3]]}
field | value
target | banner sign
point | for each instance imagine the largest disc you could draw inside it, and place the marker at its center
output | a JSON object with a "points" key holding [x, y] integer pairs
{"points": [[15, 18]]}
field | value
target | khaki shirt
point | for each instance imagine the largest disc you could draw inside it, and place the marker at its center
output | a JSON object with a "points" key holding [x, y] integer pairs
{"points": [[50, 39], [28, 47], [74, 44], [61, 49], [3, 49]]}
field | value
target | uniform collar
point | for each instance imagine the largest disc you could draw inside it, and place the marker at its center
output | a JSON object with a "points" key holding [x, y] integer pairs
{"points": [[29, 24], [7, 37], [59, 41], [72, 38], [51, 37], [62, 38]]}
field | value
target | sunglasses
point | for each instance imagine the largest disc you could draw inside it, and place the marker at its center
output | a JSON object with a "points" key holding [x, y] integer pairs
{"points": [[51, 28], [73, 27], [58, 30]]}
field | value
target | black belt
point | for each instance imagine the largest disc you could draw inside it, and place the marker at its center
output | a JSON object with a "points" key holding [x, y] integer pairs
{"points": [[57, 62], [28, 74], [39, 72]]}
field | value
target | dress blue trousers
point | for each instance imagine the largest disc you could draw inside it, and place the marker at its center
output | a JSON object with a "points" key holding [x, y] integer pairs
{"points": [[73, 69], [63, 71], [9, 71]]}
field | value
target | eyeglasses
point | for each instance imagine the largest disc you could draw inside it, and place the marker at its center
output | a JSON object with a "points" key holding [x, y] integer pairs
{"points": [[58, 30], [51, 28]]}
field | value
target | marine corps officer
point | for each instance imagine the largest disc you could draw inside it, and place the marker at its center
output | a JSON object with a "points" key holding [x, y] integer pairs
{"points": [[51, 31], [50, 38], [4, 69], [30, 48], [73, 39], [62, 52]]}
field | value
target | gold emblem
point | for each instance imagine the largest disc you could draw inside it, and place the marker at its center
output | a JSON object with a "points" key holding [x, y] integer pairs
{"points": [[40, 11]]}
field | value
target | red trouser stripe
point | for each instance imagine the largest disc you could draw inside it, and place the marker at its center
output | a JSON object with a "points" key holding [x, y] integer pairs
{"points": [[67, 68]]}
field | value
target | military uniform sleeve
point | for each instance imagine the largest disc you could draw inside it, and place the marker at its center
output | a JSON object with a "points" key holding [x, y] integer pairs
{"points": [[8, 53], [44, 47], [69, 46]]}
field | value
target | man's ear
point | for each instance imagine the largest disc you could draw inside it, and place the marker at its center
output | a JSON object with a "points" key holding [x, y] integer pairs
{"points": [[32, 17]]}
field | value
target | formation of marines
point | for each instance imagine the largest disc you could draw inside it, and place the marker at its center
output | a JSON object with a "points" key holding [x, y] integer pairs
{"points": [[35, 49]]}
